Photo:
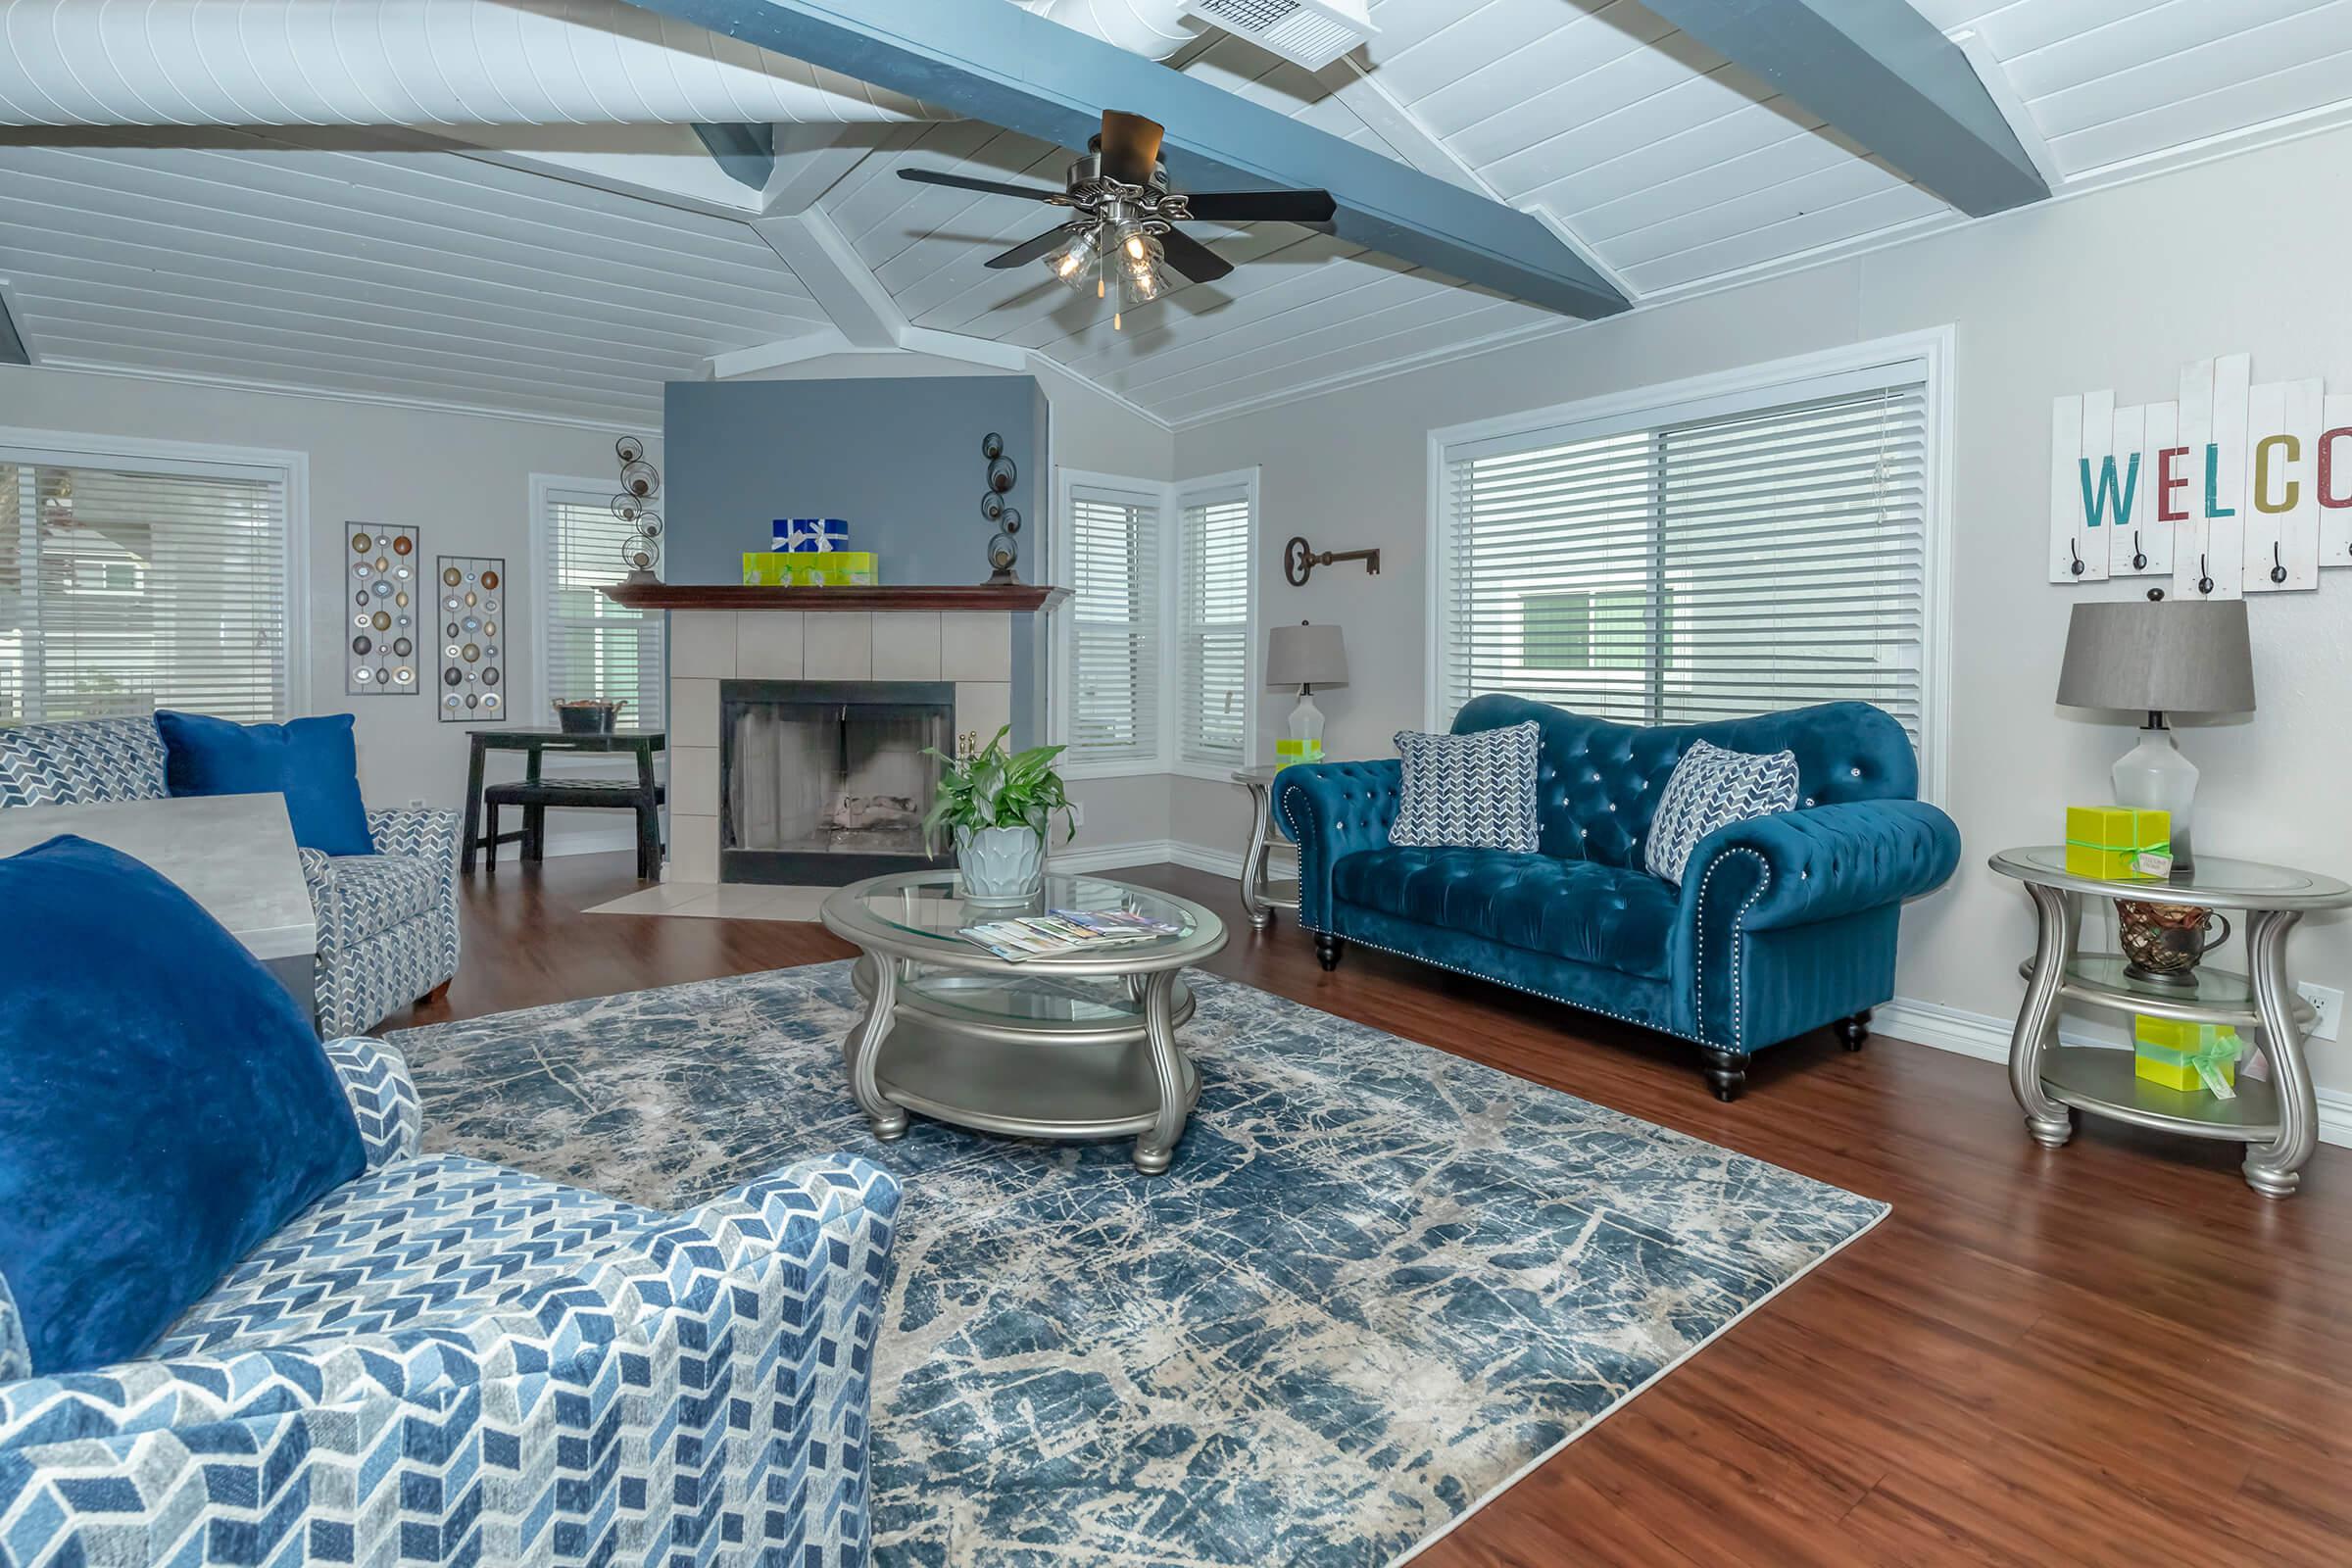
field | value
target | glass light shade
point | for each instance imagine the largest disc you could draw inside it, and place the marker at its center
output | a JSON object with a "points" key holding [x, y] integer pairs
{"points": [[1072, 264], [2154, 776], [1141, 286]]}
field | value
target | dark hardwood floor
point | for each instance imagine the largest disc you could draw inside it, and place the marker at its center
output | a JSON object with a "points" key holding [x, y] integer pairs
{"points": [[2111, 1354]]}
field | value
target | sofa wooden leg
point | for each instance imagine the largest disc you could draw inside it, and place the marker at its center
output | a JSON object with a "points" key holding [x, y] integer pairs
{"points": [[1851, 1032], [1328, 948], [1727, 1073], [435, 995]]}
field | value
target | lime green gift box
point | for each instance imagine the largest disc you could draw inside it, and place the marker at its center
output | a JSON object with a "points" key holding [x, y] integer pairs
{"points": [[2187, 1056], [766, 568], [2107, 841]]}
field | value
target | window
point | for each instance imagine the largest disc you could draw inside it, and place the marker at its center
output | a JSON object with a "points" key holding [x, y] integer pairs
{"points": [[1707, 556], [1214, 546], [130, 582], [1114, 551], [590, 646]]}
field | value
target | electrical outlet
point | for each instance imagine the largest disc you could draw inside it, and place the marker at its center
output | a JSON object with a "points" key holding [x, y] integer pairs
{"points": [[416, 802], [2330, 1002]]}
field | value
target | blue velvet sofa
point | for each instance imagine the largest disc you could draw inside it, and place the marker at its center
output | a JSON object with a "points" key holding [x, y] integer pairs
{"points": [[449, 1361], [1782, 924]]}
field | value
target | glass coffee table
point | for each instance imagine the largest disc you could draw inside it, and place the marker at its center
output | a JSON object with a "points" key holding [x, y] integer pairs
{"points": [[1066, 1047]]}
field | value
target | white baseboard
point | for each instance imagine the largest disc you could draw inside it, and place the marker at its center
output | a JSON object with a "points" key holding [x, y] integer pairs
{"points": [[1987, 1038], [1146, 851]]}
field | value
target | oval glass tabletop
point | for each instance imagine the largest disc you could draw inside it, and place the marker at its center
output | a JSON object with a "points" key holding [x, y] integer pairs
{"points": [[918, 914], [2213, 880]]}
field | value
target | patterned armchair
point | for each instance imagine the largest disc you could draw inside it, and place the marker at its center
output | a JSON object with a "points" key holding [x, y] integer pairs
{"points": [[387, 921], [449, 1361]]}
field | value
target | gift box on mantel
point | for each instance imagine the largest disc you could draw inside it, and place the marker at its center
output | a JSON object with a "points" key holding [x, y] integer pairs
{"points": [[2117, 843], [2187, 1056], [812, 535]]}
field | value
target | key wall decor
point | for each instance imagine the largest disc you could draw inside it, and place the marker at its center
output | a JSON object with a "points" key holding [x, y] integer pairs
{"points": [[386, 600], [472, 603], [2234, 488]]}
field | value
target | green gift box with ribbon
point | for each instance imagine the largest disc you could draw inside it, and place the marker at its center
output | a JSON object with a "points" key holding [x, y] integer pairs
{"points": [[2187, 1056], [2107, 842]]}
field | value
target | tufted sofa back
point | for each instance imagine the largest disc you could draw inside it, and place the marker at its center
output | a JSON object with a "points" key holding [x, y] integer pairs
{"points": [[1597, 783], [86, 761]]}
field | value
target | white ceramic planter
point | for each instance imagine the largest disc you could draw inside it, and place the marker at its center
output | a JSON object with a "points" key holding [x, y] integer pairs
{"points": [[1000, 864]]}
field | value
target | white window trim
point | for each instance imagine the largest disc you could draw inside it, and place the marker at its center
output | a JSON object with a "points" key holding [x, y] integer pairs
{"points": [[1180, 495], [536, 599], [20, 444], [1171, 499], [1934, 349]]}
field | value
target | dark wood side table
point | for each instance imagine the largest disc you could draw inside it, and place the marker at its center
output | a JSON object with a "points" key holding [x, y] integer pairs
{"points": [[534, 744]]}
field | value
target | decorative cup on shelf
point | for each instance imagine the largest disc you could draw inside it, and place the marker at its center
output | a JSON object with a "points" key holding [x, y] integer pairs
{"points": [[587, 715], [2163, 942]]}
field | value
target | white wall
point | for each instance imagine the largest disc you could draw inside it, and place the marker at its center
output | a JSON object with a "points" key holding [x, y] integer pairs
{"points": [[2111, 290], [462, 478]]}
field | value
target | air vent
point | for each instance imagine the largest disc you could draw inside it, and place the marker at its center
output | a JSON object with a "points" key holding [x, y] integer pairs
{"points": [[1307, 32]]}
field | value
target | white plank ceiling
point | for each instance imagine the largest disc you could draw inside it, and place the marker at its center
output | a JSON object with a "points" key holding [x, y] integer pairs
{"points": [[428, 276]]}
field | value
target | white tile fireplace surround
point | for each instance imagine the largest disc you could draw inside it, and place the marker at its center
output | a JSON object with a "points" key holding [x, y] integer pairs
{"points": [[971, 648]]}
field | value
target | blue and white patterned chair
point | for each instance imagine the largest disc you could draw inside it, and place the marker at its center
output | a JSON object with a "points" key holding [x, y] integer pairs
{"points": [[387, 921], [449, 1361]]}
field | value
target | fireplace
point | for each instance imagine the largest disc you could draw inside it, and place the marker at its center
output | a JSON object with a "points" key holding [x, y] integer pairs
{"points": [[825, 782]]}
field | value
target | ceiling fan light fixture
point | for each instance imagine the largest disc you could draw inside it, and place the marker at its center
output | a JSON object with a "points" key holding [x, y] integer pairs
{"points": [[1071, 261]]}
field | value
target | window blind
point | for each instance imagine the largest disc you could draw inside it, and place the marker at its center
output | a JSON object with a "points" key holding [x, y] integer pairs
{"points": [[1115, 631], [1212, 627], [594, 647], [1743, 562], [129, 586]]}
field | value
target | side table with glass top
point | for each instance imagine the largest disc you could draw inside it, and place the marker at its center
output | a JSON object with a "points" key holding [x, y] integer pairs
{"points": [[1261, 892], [2279, 1120], [1083, 1047]]}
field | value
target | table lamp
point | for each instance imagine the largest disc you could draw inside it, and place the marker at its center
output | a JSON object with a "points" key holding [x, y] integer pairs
{"points": [[1306, 656], [2158, 658]]}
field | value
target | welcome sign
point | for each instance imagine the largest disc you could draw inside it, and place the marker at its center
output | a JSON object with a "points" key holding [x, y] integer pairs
{"points": [[2232, 489]]}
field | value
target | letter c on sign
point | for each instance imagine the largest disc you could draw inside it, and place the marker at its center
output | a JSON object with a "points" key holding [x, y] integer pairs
{"points": [[2329, 469], [2292, 450]]}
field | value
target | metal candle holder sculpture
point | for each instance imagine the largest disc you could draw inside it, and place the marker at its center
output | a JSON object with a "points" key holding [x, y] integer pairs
{"points": [[640, 483], [1003, 549]]}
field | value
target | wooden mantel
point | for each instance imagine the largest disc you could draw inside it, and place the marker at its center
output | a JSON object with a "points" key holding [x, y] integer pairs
{"points": [[1018, 598]]}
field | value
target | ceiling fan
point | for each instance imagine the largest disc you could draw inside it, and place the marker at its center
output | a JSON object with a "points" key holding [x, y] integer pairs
{"points": [[1124, 226]]}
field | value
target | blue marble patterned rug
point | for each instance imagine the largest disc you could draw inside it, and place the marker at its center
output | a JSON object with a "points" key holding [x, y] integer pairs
{"points": [[1380, 1281]]}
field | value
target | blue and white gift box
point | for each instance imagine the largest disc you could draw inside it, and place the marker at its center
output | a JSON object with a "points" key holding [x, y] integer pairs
{"points": [[806, 534]]}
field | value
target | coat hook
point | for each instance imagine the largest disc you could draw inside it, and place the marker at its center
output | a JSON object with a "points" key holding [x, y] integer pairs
{"points": [[2076, 567], [2278, 566], [2139, 557], [2204, 577]]}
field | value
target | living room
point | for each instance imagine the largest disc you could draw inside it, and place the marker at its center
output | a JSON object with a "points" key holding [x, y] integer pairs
{"points": [[1693, 654]]}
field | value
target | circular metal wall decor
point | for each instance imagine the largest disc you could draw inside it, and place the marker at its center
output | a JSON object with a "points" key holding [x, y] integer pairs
{"points": [[377, 566], [992, 446], [472, 662]]}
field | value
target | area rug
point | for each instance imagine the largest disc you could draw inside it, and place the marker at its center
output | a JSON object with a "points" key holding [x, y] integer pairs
{"points": [[1380, 1283]]}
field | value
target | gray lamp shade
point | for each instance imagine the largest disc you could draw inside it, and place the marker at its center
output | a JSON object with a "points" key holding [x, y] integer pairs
{"points": [[1305, 655], [2174, 657]]}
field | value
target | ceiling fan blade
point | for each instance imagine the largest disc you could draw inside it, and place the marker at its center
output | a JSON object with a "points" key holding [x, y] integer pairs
{"points": [[1029, 250], [1130, 147], [1263, 206], [1193, 259], [933, 177]]}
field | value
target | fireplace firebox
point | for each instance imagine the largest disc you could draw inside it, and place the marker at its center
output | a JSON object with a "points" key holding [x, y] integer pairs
{"points": [[825, 782]]}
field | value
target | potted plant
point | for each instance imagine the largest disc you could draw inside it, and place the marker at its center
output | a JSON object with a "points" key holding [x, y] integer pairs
{"points": [[996, 804]]}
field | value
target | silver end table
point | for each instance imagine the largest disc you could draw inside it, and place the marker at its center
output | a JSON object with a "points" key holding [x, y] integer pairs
{"points": [[1262, 894], [1077, 1047], [2279, 1120]]}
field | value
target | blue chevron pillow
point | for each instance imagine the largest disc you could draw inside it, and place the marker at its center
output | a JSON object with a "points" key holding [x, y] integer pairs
{"points": [[165, 1107], [1472, 792], [1710, 787]]}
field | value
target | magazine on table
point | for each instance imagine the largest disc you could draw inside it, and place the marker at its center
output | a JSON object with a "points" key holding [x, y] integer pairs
{"points": [[1060, 933]]}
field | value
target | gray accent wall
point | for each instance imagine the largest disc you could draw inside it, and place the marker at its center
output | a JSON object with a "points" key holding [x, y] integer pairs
{"points": [[897, 457]]}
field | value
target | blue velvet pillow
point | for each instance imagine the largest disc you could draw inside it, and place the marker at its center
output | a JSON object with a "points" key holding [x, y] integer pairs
{"points": [[164, 1105], [313, 762]]}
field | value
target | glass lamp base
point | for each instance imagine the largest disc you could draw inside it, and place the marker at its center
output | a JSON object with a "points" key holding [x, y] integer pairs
{"points": [[2154, 776]]}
